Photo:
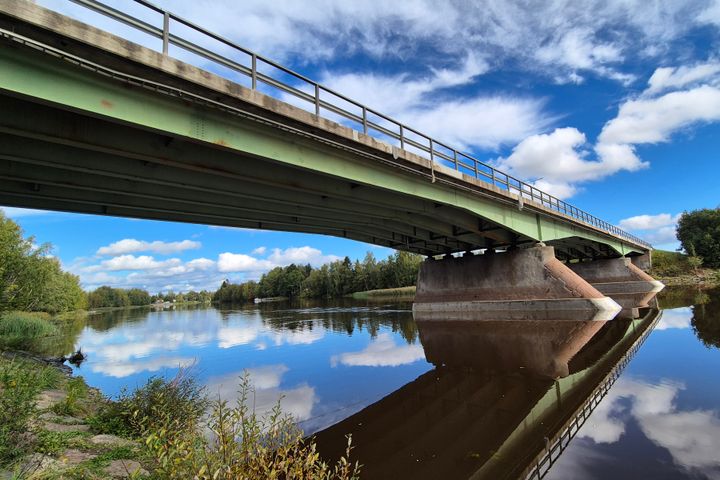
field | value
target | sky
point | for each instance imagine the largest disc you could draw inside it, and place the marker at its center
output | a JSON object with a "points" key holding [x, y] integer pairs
{"points": [[612, 105]]}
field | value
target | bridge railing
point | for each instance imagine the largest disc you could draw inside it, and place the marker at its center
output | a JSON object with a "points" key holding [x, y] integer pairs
{"points": [[324, 101]]}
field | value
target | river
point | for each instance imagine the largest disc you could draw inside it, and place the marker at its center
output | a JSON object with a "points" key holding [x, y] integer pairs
{"points": [[636, 397]]}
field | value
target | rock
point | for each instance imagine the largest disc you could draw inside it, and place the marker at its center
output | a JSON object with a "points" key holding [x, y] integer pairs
{"points": [[59, 427], [124, 468], [73, 457], [36, 462], [63, 419], [48, 398], [112, 440]]}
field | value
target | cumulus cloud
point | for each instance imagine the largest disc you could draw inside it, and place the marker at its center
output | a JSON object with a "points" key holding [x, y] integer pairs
{"points": [[689, 436], [557, 161], [300, 255], [130, 245], [381, 352], [239, 262], [145, 271], [677, 318], [649, 222], [657, 229], [131, 262], [297, 401], [655, 119]]}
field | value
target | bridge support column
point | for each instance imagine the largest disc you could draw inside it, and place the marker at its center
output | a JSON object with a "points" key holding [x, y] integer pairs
{"points": [[520, 284], [616, 276]]}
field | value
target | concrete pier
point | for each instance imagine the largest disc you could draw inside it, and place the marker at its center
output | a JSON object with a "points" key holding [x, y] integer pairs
{"points": [[509, 285], [616, 276]]}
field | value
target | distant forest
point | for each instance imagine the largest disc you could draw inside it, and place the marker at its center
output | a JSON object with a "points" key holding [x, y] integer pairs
{"points": [[331, 280]]}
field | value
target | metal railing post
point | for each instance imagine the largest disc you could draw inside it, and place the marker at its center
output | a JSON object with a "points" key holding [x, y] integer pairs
{"points": [[317, 99], [166, 32], [253, 72]]}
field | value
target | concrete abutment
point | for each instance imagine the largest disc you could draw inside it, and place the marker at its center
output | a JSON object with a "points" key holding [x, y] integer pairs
{"points": [[513, 285]]}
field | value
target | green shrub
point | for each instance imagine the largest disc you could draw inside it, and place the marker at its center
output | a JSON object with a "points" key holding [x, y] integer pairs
{"points": [[23, 330], [76, 390], [181, 398], [18, 388], [241, 446], [670, 264]]}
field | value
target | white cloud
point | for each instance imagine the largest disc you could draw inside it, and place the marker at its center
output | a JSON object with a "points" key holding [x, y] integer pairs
{"points": [[381, 352], [297, 401], [239, 262], [127, 368], [259, 251], [665, 78], [649, 222], [657, 229], [130, 245], [676, 318], [131, 262], [654, 120], [201, 264], [300, 255], [688, 436], [557, 161]]}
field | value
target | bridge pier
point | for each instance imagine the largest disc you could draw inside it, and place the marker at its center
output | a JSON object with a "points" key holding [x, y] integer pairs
{"points": [[614, 276], [514, 285]]}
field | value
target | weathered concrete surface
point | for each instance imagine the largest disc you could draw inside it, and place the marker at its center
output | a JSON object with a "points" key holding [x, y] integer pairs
{"points": [[643, 262], [516, 285], [616, 276], [542, 347]]}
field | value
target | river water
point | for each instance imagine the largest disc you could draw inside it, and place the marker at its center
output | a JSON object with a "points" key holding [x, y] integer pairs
{"points": [[636, 397]]}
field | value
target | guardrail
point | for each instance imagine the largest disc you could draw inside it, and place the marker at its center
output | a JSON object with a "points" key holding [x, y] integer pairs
{"points": [[320, 99]]}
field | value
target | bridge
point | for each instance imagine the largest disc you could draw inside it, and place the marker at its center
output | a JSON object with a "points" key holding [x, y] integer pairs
{"points": [[92, 122]]}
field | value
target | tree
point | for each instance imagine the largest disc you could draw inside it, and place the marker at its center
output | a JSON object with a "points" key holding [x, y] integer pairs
{"points": [[138, 297], [699, 235], [30, 278]]}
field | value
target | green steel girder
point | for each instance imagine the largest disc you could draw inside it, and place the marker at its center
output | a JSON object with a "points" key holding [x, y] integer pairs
{"points": [[42, 78]]}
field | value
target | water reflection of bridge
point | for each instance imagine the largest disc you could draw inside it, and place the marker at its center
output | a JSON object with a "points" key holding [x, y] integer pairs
{"points": [[503, 401]]}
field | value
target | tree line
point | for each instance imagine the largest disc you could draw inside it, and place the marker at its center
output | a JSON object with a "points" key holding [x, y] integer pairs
{"points": [[119, 297], [331, 280], [31, 279]]}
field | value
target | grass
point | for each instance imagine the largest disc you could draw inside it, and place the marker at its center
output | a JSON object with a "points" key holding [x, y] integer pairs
{"points": [[70, 405], [670, 264], [21, 329], [385, 293], [18, 389]]}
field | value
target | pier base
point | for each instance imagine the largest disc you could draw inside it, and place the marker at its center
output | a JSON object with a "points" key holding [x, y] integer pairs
{"points": [[511, 285], [616, 276]]}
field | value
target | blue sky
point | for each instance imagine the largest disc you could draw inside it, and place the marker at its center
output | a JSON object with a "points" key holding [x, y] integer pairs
{"points": [[613, 105]]}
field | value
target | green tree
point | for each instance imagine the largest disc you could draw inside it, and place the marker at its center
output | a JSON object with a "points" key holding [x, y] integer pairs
{"points": [[138, 297], [30, 278], [699, 235]]}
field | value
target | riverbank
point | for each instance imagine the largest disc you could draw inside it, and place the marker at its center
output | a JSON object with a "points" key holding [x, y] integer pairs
{"points": [[47, 433], [54, 426], [402, 293]]}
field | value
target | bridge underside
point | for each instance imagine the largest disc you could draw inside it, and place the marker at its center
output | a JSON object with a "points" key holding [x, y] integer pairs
{"points": [[76, 140]]}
